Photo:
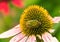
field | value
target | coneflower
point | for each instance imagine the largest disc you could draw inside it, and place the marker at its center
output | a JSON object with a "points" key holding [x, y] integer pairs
{"points": [[35, 22]]}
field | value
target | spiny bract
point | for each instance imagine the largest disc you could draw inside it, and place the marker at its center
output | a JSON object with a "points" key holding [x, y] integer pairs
{"points": [[35, 20]]}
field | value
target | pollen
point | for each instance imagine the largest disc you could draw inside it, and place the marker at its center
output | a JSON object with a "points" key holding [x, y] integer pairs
{"points": [[35, 20]]}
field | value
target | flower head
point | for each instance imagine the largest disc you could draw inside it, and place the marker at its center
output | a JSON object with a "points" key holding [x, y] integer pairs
{"points": [[4, 5], [34, 22]]}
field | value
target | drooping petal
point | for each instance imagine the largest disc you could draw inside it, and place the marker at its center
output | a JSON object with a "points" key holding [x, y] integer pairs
{"points": [[24, 39], [54, 40], [44, 37], [39, 36], [17, 3], [17, 38], [31, 39], [56, 19], [48, 38], [11, 32], [51, 30], [4, 8]]}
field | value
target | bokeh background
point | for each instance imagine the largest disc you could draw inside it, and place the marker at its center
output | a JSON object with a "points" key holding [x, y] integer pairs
{"points": [[7, 22]]}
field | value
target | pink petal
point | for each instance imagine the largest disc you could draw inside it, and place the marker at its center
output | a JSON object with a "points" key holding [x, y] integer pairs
{"points": [[4, 7], [17, 38], [17, 3], [24, 39], [48, 38], [31, 39], [11, 32], [56, 19], [44, 37], [54, 40], [51, 30], [39, 36]]}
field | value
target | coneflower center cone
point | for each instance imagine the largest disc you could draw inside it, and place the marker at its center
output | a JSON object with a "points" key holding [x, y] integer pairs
{"points": [[35, 20]]}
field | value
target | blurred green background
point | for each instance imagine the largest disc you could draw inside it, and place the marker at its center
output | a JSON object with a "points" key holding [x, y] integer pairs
{"points": [[7, 22]]}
